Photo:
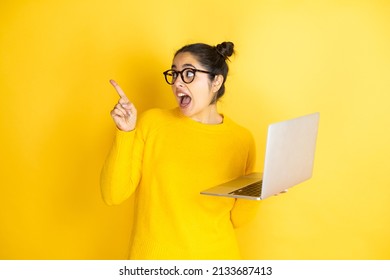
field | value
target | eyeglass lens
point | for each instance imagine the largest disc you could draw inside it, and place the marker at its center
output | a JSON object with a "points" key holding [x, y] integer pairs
{"points": [[187, 75]]}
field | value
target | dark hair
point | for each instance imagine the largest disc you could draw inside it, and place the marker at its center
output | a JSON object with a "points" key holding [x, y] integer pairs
{"points": [[213, 58]]}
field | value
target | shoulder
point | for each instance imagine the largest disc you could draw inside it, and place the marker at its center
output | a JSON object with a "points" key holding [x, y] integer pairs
{"points": [[237, 129], [243, 138]]}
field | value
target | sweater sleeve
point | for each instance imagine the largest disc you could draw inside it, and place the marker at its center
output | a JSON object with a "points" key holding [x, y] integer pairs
{"points": [[245, 210], [121, 171]]}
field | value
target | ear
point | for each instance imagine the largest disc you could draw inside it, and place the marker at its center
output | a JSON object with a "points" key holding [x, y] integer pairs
{"points": [[217, 83]]}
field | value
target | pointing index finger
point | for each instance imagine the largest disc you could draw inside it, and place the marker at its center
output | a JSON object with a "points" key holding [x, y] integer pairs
{"points": [[118, 89]]}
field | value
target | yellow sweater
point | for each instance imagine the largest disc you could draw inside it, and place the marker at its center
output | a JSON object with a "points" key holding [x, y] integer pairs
{"points": [[165, 162]]}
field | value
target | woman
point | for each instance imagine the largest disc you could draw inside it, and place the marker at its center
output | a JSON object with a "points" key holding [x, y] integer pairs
{"points": [[166, 157]]}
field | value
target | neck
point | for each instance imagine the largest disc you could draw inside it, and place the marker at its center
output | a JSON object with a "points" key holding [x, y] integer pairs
{"points": [[209, 116]]}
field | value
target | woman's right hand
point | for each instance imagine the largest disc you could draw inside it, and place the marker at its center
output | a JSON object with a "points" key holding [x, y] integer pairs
{"points": [[124, 113]]}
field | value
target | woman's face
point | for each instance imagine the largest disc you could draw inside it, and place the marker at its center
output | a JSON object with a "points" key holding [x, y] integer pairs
{"points": [[195, 98]]}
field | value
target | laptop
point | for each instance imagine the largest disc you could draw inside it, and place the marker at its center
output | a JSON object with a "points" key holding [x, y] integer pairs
{"points": [[289, 160]]}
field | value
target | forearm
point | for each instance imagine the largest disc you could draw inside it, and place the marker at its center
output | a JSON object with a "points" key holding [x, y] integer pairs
{"points": [[117, 180]]}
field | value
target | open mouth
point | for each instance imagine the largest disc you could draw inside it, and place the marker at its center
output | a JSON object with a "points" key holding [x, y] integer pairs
{"points": [[184, 100]]}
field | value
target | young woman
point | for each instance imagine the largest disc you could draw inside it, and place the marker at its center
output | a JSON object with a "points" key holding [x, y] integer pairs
{"points": [[166, 157]]}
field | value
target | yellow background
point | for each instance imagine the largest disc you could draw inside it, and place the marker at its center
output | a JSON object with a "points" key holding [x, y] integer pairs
{"points": [[293, 58]]}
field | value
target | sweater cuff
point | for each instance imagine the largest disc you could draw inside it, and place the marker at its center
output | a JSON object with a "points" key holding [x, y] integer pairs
{"points": [[120, 134]]}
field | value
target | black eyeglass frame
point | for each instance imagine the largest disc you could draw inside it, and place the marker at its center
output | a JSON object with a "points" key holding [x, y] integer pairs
{"points": [[167, 72]]}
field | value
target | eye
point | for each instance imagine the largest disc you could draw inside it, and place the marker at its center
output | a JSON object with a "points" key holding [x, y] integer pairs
{"points": [[189, 73]]}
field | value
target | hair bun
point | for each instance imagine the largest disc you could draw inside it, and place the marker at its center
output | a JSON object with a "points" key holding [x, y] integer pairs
{"points": [[225, 49]]}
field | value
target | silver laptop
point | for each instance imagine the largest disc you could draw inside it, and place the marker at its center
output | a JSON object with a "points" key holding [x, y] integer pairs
{"points": [[289, 159]]}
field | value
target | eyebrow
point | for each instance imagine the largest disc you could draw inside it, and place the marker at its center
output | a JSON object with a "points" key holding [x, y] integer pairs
{"points": [[184, 66]]}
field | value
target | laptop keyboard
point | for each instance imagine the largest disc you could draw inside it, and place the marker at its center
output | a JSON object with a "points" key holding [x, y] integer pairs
{"points": [[250, 190]]}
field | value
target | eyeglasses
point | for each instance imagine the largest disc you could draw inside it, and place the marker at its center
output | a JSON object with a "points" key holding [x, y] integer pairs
{"points": [[187, 75]]}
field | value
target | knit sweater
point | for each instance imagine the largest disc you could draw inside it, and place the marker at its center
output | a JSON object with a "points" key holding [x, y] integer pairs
{"points": [[165, 163]]}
